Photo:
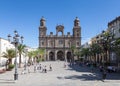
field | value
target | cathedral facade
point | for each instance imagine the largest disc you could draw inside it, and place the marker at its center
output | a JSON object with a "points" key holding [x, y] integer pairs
{"points": [[58, 47]]}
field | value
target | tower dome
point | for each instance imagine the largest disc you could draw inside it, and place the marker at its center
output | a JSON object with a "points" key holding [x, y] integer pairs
{"points": [[76, 22], [42, 21]]}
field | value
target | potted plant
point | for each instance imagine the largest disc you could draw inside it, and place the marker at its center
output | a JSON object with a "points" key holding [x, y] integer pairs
{"points": [[10, 67]]}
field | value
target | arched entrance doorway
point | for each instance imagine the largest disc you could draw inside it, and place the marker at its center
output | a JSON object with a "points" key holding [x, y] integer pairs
{"points": [[51, 56], [68, 56], [60, 55]]}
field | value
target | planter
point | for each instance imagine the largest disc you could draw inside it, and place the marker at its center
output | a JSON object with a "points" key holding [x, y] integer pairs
{"points": [[10, 67], [2, 71]]}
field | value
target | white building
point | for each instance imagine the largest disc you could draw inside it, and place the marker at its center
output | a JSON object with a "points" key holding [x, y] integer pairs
{"points": [[114, 27], [4, 45]]}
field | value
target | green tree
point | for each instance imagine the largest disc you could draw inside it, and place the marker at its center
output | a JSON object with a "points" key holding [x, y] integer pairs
{"points": [[30, 55], [78, 54], [9, 54], [85, 52], [107, 38], [41, 52], [72, 48], [38, 54], [95, 49], [20, 52], [116, 48]]}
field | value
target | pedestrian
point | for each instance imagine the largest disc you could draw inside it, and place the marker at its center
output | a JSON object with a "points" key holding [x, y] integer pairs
{"points": [[50, 67], [23, 71], [64, 65], [45, 70], [28, 68], [91, 67], [101, 68], [34, 68], [104, 75], [40, 67]]}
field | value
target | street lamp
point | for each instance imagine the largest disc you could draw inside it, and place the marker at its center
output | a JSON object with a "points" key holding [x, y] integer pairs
{"points": [[15, 42], [26, 50]]}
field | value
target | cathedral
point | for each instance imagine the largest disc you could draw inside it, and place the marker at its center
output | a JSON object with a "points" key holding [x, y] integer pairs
{"points": [[58, 46]]}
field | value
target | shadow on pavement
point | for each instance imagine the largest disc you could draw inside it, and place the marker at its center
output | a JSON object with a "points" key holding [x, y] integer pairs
{"points": [[84, 77], [95, 75], [78, 68]]}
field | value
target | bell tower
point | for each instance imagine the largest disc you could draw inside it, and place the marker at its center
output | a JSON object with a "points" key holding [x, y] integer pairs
{"points": [[77, 33], [42, 28], [42, 33], [76, 28]]}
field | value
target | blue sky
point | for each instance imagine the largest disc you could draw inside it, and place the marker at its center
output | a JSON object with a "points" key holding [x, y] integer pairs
{"points": [[24, 16]]}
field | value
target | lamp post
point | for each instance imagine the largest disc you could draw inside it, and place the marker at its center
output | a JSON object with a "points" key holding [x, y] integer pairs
{"points": [[15, 41], [70, 58], [26, 50]]}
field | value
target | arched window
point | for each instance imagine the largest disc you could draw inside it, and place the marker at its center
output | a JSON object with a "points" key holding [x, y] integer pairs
{"points": [[60, 42], [59, 33]]}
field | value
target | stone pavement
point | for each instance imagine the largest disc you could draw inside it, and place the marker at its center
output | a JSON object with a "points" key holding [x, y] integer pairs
{"points": [[59, 76]]}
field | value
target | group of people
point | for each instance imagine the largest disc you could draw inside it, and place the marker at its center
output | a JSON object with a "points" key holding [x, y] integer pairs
{"points": [[37, 67], [42, 68]]}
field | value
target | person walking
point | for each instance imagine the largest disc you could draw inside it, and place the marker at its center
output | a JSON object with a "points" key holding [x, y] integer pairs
{"points": [[35, 67], [91, 67], [45, 70], [50, 67], [104, 74], [64, 65], [28, 68], [40, 67]]}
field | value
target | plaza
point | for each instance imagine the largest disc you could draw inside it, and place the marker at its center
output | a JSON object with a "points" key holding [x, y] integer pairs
{"points": [[59, 43], [74, 75]]}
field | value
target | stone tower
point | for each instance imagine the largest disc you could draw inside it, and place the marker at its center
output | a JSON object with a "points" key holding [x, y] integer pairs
{"points": [[42, 32], [77, 32]]}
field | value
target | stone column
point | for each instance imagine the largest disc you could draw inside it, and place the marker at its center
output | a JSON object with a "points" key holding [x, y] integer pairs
{"points": [[48, 55], [65, 56], [55, 55]]}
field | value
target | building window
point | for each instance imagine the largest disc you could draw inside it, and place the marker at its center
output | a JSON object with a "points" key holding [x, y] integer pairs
{"points": [[51, 43], [60, 42], [77, 34], [77, 43], [68, 43], [42, 43]]}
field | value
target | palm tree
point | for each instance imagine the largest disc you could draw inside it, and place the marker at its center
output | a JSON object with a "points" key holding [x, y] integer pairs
{"points": [[41, 52], [30, 55], [20, 51], [37, 54], [9, 54]]}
